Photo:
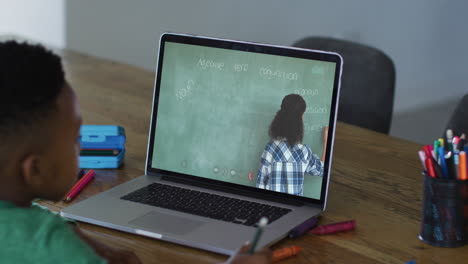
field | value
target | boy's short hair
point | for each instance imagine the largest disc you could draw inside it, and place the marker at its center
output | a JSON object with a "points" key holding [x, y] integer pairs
{"points": [[31, 79]]}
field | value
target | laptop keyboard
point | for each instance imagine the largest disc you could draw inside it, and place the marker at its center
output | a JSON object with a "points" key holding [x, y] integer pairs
{"points": [[205, 204]]}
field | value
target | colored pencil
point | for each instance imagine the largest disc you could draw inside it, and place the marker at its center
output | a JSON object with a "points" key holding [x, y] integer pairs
{"points": [[80, 180], [462, 173], [422, 158], [261, 224], [284, 253], [334, 228], [304, 227], [79, 185]]}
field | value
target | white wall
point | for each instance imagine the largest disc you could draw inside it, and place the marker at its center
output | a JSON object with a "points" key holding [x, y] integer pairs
{"points": [[427, 39], [41, 21]]}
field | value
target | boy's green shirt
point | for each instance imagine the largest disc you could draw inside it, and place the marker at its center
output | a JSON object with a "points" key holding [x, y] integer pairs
{"points": [[36, 235]]}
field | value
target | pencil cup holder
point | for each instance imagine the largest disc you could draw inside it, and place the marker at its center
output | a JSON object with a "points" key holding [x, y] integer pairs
{"points": [[444, 220]]}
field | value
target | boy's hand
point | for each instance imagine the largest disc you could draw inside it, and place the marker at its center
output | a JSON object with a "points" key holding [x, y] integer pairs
{"points": [[242, 256]]}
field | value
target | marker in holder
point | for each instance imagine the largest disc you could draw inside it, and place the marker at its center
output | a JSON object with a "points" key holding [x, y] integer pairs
{"points": [[444, 220]]}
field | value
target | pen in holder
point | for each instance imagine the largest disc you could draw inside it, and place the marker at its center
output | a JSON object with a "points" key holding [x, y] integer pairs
{"points": [[444, 220]]}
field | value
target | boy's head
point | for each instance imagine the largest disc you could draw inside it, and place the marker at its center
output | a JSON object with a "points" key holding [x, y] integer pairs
{"points": [[39, 124]]}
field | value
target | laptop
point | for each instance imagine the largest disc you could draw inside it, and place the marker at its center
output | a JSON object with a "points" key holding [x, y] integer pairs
{"points": [[212, 168]]}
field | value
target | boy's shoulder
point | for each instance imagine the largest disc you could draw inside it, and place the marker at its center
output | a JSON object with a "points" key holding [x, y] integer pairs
{"points": [[44, 235], [28, 220]]}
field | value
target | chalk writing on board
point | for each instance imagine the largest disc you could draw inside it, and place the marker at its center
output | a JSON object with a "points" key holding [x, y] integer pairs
{"points": [[238, 67], [269, 73], [185, 91], [309, 128], [316, 110], [307, 92], [210, 64]]}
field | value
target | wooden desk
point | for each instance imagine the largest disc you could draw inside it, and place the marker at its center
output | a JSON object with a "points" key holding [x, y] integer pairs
{"points": [[375, 179]]}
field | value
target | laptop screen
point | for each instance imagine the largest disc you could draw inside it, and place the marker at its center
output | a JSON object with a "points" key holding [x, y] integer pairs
{"points": [[245, 114]]}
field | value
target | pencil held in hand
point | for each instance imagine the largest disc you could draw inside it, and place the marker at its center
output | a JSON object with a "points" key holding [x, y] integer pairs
{"points": [[261, 224]]}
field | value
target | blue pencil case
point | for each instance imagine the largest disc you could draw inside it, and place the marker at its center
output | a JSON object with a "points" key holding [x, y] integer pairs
{"points": [[102, 137]]}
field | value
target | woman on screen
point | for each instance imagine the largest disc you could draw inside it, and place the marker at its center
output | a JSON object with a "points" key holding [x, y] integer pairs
{"points": [[286, 160]]}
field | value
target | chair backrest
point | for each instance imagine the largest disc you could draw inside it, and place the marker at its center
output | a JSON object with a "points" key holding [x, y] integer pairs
{"points": [[459, 120], [367, 84]]}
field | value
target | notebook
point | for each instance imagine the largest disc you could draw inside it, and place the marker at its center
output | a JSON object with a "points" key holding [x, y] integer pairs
{"points": [[239, 131]]}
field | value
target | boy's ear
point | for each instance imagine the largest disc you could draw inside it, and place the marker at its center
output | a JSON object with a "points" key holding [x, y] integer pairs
{"points": [[32, 170]]}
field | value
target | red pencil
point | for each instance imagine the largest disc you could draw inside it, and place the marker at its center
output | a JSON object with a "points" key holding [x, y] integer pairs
{"points": [[428, 149], [430, 168], [334, 228], [80, 185], [80, 180]]}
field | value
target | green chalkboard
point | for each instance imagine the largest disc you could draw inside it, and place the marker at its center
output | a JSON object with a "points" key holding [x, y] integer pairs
{"points": [[215, 107]]}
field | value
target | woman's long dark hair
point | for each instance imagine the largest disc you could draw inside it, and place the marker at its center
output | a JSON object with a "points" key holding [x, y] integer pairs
{"points": [[288, 120]]}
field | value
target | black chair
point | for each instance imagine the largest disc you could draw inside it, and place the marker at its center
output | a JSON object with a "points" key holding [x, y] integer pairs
{"points": [[459, 120], [367, 84]]}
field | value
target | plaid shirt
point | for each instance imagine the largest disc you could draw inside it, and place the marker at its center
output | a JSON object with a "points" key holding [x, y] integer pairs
{"points": [[282, 168]]}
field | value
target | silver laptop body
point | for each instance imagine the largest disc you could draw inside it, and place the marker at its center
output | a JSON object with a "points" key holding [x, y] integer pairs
{"points": [[188, 75]]}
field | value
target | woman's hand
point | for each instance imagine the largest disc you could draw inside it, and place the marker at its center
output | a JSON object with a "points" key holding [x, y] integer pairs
{"points": [[325, 139]]}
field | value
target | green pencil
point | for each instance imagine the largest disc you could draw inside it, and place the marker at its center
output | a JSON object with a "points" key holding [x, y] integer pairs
{"points": [[261, 224], [436, 147]]}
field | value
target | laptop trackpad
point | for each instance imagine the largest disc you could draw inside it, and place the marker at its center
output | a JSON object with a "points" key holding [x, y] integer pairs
{"points": [[166, 223]]}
